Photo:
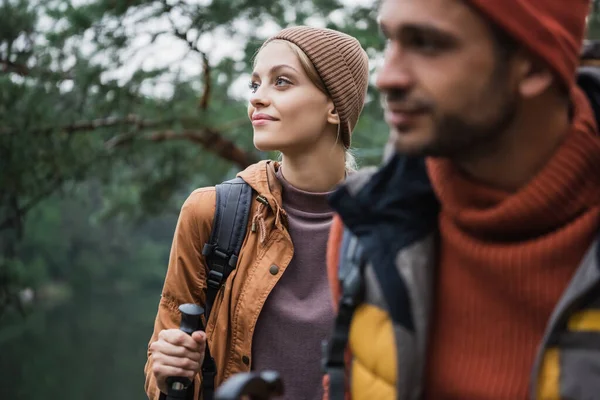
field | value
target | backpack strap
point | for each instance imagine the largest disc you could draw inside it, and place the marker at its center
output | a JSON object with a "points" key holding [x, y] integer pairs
{"points": [[228, 232], [588, 79], [350, 274], [233, 203]]}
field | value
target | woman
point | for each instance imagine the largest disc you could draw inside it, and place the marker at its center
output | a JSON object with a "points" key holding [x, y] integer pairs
{"points": [[308, 88]]}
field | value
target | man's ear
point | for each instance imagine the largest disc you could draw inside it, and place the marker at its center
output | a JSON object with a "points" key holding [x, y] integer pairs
{"points": [[534, 76]]}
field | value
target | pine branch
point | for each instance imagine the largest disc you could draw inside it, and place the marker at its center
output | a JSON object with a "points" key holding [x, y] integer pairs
{"points": [[210, 139], [54, 184], [21, 211], [9, 66], [204, 100], [207, 86], [108, 122]]}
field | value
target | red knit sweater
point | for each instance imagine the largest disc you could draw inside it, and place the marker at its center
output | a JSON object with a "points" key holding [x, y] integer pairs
{"points": [[505, 260]]}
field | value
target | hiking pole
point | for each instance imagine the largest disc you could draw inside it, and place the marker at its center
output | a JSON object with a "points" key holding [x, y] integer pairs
{"points": [[190, 322], [258, 386]]}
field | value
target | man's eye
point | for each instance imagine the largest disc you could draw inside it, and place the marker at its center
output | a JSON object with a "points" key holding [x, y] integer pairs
{"points": [[424, 43], [427, 42]]}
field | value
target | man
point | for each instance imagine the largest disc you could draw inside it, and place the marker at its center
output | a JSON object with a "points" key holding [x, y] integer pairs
{"points": [[479, 270]]}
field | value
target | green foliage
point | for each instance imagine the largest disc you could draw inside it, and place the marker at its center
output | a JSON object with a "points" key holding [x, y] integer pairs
{"points": [[74, 107], [95, 164], [101, 140]]}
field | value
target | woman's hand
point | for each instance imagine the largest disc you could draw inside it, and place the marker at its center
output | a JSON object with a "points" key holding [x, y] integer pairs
{"points": [[176, 353]]}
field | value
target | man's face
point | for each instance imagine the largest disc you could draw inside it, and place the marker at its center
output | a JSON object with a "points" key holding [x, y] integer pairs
{"points": [[446, 87]]}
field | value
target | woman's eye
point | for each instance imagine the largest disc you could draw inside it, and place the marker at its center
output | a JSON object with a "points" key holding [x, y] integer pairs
{"points": [[281, 82], [253, 86]]}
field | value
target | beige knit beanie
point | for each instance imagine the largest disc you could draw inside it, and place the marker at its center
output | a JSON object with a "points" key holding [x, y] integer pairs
{"points": [[343, 66]]}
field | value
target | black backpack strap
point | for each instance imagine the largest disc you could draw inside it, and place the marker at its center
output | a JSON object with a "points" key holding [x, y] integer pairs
{"points": [[350, 274], [229, 229], [588, 79], [232, 211]]}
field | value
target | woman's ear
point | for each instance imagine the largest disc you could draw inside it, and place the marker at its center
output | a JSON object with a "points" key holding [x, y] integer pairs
{"points": [[332, 116]]}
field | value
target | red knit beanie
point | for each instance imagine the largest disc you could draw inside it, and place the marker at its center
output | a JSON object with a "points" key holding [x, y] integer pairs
{"points": [[551, 29]]}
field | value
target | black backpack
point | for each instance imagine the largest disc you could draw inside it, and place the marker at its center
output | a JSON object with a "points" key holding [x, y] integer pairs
{"points": [[233, 203]]}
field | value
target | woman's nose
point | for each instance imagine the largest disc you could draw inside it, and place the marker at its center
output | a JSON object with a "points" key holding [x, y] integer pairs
{"points": [[259, 98]]}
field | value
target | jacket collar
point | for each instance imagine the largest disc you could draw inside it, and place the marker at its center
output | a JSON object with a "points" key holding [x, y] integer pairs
{"points": [[398, 195], [263, 180]]}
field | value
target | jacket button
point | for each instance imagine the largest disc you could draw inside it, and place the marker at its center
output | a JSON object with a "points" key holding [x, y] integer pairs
{"points": [[274, 269], [246, 360]]}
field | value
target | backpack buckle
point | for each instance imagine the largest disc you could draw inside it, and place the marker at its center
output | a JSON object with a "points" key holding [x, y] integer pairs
{"points": [[214, 279], [211, 250], [220, 254]]}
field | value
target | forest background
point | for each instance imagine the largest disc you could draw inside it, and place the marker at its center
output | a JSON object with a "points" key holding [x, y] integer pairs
{"points": [[111, 113]]}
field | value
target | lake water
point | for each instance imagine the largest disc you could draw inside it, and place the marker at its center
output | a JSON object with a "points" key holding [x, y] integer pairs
{"points": [[92, 349]]}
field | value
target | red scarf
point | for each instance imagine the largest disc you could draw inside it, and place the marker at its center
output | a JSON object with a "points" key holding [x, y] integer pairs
{"points": [[505, 260]]}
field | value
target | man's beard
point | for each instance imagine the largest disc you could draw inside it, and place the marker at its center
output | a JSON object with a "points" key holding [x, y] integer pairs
{"points": [[458, 138]]}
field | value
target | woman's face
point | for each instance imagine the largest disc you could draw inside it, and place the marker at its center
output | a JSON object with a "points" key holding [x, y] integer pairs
{"points": [[288, 112]]}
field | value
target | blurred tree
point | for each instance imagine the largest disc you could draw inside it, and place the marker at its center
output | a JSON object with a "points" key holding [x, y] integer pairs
{"points": [[85, 96], [111, 112], [594, 21]]}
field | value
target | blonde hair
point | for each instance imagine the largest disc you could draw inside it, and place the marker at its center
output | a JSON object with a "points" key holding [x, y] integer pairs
{"points": [[312, 73]]}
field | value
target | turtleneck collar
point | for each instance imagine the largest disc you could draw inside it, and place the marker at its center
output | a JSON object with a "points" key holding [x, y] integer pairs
{"points": [[303, 201], [567, 186]]}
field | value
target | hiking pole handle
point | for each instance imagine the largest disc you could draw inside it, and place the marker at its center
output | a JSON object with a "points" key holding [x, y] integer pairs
{"points": [[191, 321], [257, 386]]}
